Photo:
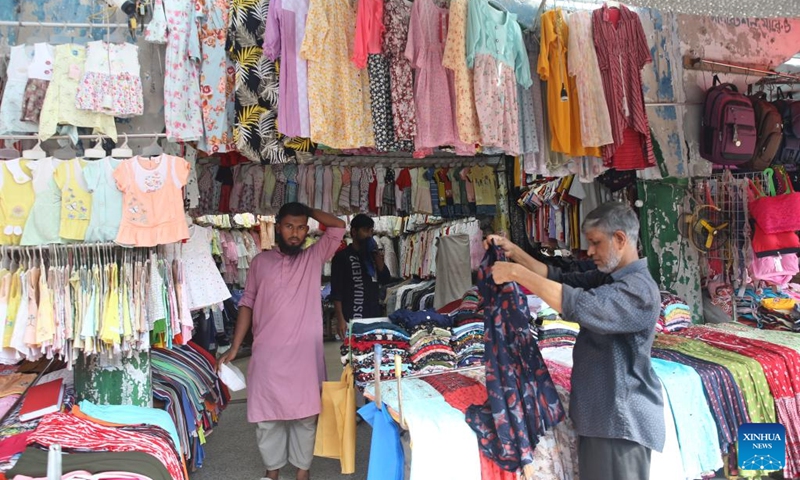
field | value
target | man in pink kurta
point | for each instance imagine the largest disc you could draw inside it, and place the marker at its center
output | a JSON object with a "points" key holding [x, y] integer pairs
{"points": [[282, 302]]}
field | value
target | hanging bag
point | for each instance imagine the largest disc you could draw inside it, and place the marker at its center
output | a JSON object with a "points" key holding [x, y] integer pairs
{"points": [[778, 270], [769, 132], [789, 151], [728, 134], [776, 213]]}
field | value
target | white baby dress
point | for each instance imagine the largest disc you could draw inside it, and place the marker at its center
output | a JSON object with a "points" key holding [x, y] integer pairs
{"points": [[204, 283]]}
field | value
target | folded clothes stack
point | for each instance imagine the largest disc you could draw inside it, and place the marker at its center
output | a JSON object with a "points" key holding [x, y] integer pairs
{"points": [[557, 333], [675, 314], [430, 350], [393, 339], [467, 343]]}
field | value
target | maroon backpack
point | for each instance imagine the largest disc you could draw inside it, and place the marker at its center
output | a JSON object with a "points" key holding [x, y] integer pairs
{"points": [[728, 134]]}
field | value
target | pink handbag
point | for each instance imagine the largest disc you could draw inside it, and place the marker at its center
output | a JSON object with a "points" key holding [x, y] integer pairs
{"points": [[777, 213], [777, 270]]}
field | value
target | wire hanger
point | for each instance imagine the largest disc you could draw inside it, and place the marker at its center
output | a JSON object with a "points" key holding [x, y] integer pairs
{"points": [[152, 150]]}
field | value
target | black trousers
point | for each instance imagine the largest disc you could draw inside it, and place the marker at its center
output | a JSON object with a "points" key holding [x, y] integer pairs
{"points": [[612, 459]]}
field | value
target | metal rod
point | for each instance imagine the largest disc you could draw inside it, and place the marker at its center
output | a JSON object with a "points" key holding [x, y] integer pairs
{"points": [[673, 104], [12, 23], [84, 137], [702, 64]]}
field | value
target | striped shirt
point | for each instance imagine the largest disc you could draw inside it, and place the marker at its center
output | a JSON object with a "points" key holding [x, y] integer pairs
{"points": [[622, 52]]}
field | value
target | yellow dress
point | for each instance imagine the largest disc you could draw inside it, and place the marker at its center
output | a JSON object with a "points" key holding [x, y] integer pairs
{"points": [[339, 102], [110, 333], [16, 199], [564, 115], [76, 200], [14, 302], [455, 59]]}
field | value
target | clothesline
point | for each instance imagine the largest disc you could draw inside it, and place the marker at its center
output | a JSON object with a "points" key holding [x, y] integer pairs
{"points": [[84, 137], [20, 23]]}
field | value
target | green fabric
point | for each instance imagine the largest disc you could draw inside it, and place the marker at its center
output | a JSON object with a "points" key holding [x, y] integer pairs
{"points": [[33, 463], [786, 339], [747, 372]]}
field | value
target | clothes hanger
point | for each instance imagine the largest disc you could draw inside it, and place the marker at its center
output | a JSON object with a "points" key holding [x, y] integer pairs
{"points": [[97, 150], [8, 153], [123, 151], [36, 153], [66, 152], [152, 150]]}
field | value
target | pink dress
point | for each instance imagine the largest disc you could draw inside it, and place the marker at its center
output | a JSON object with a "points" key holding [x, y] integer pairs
{"points": [[152, 203], [434, 86], [288, 364]]}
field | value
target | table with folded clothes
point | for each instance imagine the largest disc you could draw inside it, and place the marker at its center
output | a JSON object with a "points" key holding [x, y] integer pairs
{"points": [[769, 309]]}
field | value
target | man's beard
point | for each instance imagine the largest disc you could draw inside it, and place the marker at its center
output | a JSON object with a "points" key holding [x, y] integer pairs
{"points": [[614, 258], [287, 249]]}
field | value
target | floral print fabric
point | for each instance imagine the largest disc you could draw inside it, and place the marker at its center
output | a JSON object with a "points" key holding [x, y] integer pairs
{"points": [[338, 92], [216, 78], [396, 17], [111, 82], [255, 130], [455, 59], [33, 100], [523, 401], [582, 62], [497, 104], [381, 93], [182, 114]]}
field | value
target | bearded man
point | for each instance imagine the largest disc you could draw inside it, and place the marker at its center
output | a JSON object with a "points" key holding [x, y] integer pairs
{"points": [[616, 401], [282, 302]]}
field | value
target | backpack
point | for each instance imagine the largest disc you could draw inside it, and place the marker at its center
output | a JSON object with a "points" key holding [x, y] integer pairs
{"points": [[728, 135], [769, 132], [789, 151]]}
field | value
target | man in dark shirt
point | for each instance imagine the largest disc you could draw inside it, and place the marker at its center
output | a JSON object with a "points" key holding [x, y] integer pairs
{"points": [[356, 274], [616, 401]]}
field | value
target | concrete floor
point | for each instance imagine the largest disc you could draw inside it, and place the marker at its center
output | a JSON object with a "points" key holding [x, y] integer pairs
{"points": [[231, 451]]}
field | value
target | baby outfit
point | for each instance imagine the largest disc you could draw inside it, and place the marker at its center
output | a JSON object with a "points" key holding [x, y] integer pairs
{"points": [[40, 72], [111, 82], [16, 80], [206, 287], [16, 199], [45, 217], [152, 204], [59, 102], [106, 200], [76, 200]]}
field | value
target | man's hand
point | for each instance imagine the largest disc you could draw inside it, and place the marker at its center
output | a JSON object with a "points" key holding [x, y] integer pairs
{"points": [[341, 328], [504, 272], [380, 259], [226, 357]]}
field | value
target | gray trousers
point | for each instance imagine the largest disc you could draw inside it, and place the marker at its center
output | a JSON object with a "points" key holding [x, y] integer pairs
{"points": [[291, 440], [612, 459]]}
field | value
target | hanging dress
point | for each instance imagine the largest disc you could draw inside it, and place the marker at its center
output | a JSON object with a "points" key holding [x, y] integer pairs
{"points": [[203, 283], [59, 103], [106, 200], [338, 92], [523, 401], [44, 220], [182, 115], [39, 74], [76, 199], [16, 82], [16, 199], [111, 82]]}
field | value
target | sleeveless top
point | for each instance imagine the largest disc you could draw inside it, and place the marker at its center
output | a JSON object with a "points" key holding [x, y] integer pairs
{"points": [[76, 200], [16, 199], [45, 217]]}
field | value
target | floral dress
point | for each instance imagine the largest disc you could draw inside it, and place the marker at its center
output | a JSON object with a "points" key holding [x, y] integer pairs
{"points": [[182, 114], [216, 78], [396, 17]]}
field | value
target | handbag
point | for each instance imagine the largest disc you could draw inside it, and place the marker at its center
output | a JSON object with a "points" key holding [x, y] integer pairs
{"points": [[776, 213], [336, 425]]}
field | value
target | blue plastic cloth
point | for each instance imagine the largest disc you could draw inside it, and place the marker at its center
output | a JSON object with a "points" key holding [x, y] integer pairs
{"points": [[386, 458]]}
